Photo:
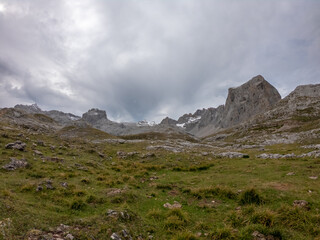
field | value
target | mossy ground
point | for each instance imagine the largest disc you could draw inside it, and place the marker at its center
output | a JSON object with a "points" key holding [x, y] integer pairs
{"points": [[221, 198]]}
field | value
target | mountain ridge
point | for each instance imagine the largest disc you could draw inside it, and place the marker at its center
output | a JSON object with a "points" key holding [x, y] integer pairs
{"points": [[243, 103]]}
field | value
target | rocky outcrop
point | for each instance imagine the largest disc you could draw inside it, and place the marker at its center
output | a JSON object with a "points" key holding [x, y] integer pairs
{"points": [[94, 115], [168, 121], [15, 163], [251, 98], [33, 108], [58, 116], [243, 102]]}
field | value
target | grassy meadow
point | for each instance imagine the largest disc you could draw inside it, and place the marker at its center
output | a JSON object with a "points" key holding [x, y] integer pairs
{"points": [[220, 198]]}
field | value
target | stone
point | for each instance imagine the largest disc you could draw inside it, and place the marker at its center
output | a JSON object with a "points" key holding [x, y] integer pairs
{"points": [[49, 184], [15, 163], [172, 206], [115, 236], [231, 155], [126, 235], [313, 177], [112, 213], [276, 155], [69, 237], [64, 184], [301, 204], [38, 152], [115, 191], [101, 155], [165, 147], [290, 173], [16, 145]]}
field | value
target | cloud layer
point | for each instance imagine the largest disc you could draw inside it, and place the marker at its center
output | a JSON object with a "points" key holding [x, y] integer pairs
{"points": [[151, 59]]}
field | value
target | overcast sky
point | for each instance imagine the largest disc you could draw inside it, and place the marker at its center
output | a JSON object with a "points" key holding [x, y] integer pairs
{"points": [[147, 59]]}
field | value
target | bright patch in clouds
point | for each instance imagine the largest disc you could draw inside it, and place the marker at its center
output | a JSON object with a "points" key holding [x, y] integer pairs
{"points": [[2, 8]]}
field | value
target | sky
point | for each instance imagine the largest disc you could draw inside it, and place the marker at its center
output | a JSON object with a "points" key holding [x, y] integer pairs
{"points": [[148, 59]]}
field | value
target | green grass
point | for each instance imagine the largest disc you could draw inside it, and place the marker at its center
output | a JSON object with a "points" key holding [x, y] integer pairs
{"points": [[220, 198]]}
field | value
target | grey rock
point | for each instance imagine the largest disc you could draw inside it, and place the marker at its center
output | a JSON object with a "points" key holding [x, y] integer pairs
{"points": [[115, 191], [301, 204], [115, 236], [249, 99], [69, 237], [313, 177], [276, 155], [290, 174], [168, 121], [164, 147], [231, 155], [94, 115], [243, 102], [33, 108], [15, 163], [16, 145], [38, 152], [175, 205], [48, 184], [64, 184], [112, 213], [126, 235]]}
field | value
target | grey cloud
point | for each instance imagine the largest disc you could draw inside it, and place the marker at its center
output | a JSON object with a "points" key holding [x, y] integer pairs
{"points": [[147, 59]]}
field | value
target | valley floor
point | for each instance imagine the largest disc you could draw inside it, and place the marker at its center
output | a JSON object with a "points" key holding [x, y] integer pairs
{"points": [[75, 188]]}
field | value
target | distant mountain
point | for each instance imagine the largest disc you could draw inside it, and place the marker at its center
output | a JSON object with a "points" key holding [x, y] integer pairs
{"points": [[253, 110], [244, 102], [58, 116], [296, 118]]}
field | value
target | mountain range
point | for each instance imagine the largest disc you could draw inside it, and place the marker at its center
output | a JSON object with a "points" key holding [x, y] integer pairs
{"points": [[254, 102]]}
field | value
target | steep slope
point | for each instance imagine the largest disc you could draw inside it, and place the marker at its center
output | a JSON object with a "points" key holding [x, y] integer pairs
{"points": [[60, 117], [293, 119], [243, 102]]}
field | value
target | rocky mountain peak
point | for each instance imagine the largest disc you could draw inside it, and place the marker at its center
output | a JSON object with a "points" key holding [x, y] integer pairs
{"points": [[94, 115], [249, 99], [243, 102], [168, 121], [310, 90], [33, 108]]}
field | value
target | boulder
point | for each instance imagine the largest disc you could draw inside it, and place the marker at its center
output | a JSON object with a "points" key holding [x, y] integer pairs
{"points": [[16, 145], [15, 163]]}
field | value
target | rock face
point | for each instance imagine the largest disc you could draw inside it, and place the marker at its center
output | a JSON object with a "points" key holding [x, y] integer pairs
{"points": [[243, 102], [94, 115], [58, 116], [249, 99], [33, 108], [169, 121]]}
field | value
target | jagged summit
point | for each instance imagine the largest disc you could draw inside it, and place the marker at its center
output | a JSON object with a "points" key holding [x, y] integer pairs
{"points": [[243, 102], [252, 97], [94, 115], [310, 90], [33, 108]]}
